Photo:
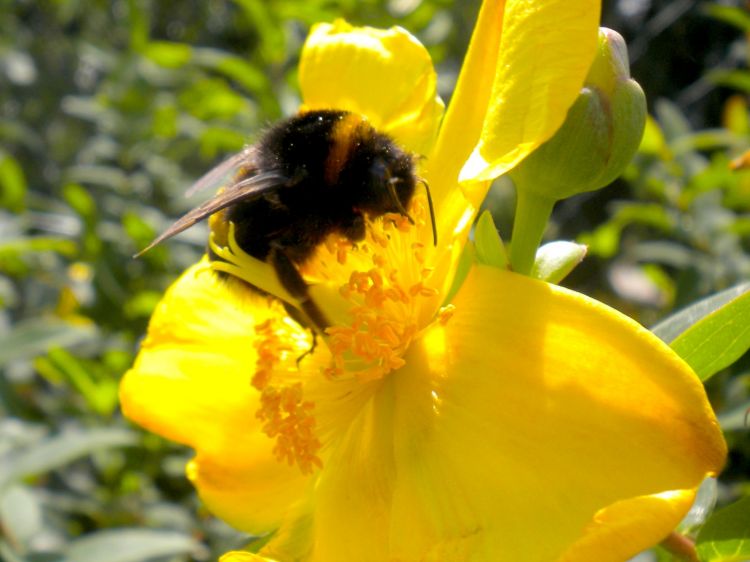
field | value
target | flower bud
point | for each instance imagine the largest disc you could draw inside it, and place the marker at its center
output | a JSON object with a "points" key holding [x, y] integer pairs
{"points": [[600, 134]]}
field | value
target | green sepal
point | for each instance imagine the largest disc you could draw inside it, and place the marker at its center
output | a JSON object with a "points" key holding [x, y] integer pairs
{"points": [[489, 246]]}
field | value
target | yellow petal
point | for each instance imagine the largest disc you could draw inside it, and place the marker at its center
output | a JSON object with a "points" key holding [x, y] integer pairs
{"points": [[538, 412], [385, 75], [536, 425], [610, 535], [191, 384], [459, 132], [545, 53]]}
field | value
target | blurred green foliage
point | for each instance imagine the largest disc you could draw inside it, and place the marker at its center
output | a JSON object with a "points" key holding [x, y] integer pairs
{"points": [[109, 110]]}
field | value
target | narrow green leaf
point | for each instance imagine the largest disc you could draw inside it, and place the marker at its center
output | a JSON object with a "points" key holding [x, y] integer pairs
{"points": [[12, 184], [34, 337], [736, 16], [718, 340], [131, 545], [168, 54], [100, 395], [16, 248], [80, 200], [57, 451], [554, 261], [735, 79], [726, 535], [489, 246], [238, 69], [21, 515], [672, 326]]}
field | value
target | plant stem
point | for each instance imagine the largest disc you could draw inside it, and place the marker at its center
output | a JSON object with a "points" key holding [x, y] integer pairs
{"points": [[532, 213]]}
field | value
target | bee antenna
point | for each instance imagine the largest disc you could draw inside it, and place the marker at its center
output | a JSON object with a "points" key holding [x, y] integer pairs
{"points": [[432, 208], [396, 201]]}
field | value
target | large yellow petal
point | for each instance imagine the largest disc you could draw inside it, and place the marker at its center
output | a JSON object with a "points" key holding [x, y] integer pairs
{"points": [[191, 384], [385, 75], [536, 425], [545, 52], [538, 413]]}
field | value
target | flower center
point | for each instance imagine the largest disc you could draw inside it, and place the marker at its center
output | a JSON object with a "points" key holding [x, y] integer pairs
{"points": [[377, 292], [384, 291]]}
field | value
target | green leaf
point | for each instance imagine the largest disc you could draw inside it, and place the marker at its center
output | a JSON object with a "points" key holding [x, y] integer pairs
{"points": [[21, 515], [252, 79], [100, 393], [735, 79], [12, 184], [51, 453], [131, 545], [488, 244], [672, 326], [80, 200], [34, 337], [16, 248], [554, 261], [718, 340], [168, 54], [736, 16], [726, 535]]}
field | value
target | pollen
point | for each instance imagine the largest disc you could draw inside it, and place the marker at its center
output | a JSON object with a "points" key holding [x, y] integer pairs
{"points": [[385, 299], [286, 416]]}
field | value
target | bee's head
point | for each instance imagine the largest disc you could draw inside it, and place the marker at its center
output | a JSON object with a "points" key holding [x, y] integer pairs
{"points": [[391, 185], [380, 177]]}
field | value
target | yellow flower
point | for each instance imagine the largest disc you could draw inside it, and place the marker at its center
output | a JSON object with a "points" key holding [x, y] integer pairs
{"points": [[520, 421]]}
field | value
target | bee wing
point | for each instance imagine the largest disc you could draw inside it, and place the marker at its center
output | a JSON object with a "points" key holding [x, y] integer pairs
{"points": [[248, 188], [218, 175]]}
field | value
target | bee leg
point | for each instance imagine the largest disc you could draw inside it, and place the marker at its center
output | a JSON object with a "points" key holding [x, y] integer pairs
{"points": [[291, 279], [309, 351], [302, 320]]}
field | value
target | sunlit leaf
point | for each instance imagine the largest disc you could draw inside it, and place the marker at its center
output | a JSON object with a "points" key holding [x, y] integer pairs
{"points": [[168, 54], [100, 393], [672, 326], [12, 184], [735, 79], [726, 535], [718, 339], [19, 247], [252, 78], [736, 16]]}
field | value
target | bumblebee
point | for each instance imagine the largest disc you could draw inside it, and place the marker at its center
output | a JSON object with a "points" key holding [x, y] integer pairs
{"points": [[309, 176]]}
